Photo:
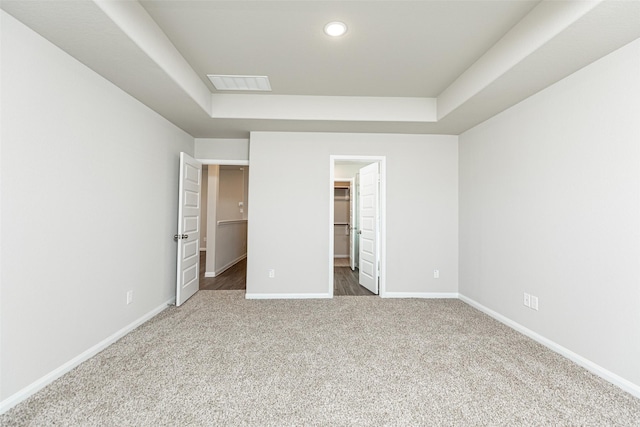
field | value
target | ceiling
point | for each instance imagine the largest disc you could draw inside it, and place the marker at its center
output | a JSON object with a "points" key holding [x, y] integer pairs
{"points": [[392, 48], [403, 66]]}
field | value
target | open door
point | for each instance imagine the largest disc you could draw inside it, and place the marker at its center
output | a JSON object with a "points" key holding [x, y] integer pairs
{"points": [[368, 189], [188, 236]]}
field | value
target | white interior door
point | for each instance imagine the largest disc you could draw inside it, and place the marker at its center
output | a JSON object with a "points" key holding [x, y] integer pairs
{"points": [[368, 224], [188, 236]]}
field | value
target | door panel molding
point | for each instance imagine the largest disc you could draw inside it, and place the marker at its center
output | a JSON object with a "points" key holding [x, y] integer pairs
{"points": [[188, 236]]}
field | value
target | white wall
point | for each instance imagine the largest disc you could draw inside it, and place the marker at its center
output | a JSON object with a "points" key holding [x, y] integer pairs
{"points": [[289, 218], [222, 149], [346, 170], [213, 175], [231, 245], [89, 207], [245, 190], [230, 193], [550, 205]]}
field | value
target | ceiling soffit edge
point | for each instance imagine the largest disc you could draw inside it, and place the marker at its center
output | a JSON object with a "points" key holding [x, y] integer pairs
{"points": [[138, 25], [544, 22]]}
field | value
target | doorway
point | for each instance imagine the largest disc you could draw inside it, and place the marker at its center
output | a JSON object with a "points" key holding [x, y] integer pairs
{"points": [[357, 225], [223, 264]]}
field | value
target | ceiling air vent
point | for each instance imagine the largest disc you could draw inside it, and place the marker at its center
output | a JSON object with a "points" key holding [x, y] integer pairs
{"points": [[245, 83]]}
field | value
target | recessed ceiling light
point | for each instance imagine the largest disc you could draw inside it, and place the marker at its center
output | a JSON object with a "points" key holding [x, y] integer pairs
{"points": [[335, 29]]}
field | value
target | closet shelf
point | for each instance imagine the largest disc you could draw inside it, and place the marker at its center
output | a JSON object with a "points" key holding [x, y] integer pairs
{"points": [[231, 221]]}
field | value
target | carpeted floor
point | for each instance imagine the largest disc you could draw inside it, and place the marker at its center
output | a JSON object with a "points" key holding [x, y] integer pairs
{"points": [[350, 361]]}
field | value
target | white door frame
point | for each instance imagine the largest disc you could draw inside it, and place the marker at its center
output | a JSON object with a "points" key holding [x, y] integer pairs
{"points": [[211, 243], [382, 160]]}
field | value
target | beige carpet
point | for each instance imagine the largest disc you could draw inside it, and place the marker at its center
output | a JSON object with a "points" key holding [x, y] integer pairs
{"points": [[350, 361]]}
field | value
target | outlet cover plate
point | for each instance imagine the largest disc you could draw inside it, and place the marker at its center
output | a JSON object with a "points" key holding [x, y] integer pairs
{"points": [[534, 303]]}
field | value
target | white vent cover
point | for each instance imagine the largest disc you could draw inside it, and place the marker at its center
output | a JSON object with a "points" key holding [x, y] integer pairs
{"points": [[251, 83]]}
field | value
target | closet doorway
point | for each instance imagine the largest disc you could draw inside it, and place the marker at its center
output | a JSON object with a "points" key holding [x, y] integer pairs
{"points": [[345, 239], [357, 225]]}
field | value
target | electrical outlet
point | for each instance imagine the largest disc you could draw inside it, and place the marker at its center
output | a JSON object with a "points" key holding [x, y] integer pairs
{"points": [[527, 300], [272, 273], [436, 274], [129, 297], [534, 303]]}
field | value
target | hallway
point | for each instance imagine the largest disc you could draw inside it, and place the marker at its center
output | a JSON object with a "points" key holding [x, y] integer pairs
{"points": [[235, 278]]}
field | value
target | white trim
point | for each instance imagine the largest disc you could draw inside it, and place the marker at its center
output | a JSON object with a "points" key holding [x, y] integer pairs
{"points": [[341, 256], [332, 193], [44, 381], [287, 296], [225, 268], [203, 249], [426, 295], [594, 368], [224, 162], [322, 107], [382, 162]]}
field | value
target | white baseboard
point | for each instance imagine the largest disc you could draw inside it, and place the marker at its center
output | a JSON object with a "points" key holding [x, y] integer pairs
{"points": [[426, 295], [225, 268], [594, 368], [341, 256], [203, 249], [286, 296], [44, 381]]}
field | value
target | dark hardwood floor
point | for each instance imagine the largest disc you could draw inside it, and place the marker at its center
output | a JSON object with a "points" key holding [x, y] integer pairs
{"points": [[235, 278], [345, 281]]}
